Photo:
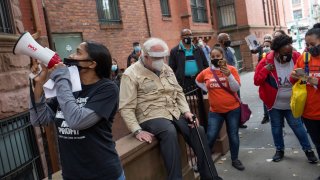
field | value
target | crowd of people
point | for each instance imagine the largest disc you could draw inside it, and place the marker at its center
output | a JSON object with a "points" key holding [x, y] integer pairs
{"points": [[150, 97]]}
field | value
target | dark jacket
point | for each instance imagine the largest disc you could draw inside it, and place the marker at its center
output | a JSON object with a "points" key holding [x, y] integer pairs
{"points": [[258, 50], [177, 61], [132, 55]]}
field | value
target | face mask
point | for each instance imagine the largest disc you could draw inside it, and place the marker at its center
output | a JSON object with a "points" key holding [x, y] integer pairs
{"points": [[215, 62], [266, 49], [200, 43], [187, 40], [73, 62], [315, 51], [227, 43], [285, 58], [158, 64], [137, 49], [114, 67]]}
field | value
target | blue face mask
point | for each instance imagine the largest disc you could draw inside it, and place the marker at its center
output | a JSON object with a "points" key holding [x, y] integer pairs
{"points": [[114, 67], [137, 49]]}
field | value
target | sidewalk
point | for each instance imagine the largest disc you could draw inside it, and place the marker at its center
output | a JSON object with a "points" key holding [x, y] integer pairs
{"points": [[256, 147]]}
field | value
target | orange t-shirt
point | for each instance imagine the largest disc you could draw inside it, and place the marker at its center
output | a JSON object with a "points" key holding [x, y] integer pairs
{"points": [[312, 106], [220, 100]]}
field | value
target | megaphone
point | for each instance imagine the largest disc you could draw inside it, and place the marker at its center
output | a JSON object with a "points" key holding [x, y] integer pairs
{"points": [[26, 45]]}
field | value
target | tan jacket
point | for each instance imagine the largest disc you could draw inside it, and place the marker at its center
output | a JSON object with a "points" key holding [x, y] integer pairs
{"points": [[145, 96]]}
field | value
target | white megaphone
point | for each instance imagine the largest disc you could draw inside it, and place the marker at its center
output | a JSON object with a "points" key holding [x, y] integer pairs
{"points": [[26, 45]]}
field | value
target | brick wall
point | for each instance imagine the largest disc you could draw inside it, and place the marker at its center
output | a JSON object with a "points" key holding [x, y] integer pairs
{"points": [[14, 69], [75, 16]]}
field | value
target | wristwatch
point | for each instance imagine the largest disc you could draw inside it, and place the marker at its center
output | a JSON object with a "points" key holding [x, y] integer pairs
{"points": [[137, 132]]}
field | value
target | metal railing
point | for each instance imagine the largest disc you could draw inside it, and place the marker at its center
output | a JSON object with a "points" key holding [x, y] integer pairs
{"points": [[19, 155]]}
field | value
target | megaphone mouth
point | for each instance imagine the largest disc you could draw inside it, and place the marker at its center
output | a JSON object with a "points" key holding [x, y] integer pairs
{"points": [[15, 45]]}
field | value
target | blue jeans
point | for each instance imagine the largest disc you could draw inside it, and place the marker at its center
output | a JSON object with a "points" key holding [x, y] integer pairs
{"points": [[276, 118], [122, 177], [215, 123]]}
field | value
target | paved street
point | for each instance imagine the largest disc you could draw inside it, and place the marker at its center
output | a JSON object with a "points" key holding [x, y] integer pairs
{"points": [[256, 147]]}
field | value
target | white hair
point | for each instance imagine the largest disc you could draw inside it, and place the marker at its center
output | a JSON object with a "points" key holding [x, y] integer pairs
{"points": [[146, 48]]}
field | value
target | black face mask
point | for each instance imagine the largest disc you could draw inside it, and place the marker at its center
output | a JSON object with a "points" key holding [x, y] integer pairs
{"points": [[315, 51], [73, 62], [285, 58], [187, 40], [227, 43], [215, 62]]}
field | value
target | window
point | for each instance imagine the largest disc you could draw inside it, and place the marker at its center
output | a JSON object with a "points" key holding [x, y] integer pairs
{"points": [[199, 11], [165, 10], [296, 1], [297, 14], [5, 17], [226, 13], [108, 11]]}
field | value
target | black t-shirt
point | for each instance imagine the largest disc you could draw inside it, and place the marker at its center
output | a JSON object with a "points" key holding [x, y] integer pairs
{"points": [[90, 153]]}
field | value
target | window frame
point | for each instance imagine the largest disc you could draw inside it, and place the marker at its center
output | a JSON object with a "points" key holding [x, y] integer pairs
{"points": [[196, 6], [165, 12], [115, 12], [6, 18], [294, 16], [296, 2], [223, 4]]}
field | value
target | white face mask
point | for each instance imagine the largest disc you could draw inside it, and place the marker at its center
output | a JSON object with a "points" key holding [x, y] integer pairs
{"points": [[157, 64]]}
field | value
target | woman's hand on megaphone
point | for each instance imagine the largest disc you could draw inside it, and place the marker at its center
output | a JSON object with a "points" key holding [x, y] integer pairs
{"points": [[43, 76], [56, 66]]}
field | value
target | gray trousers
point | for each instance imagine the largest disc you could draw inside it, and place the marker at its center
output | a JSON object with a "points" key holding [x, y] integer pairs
{"points": [[166, 132]]}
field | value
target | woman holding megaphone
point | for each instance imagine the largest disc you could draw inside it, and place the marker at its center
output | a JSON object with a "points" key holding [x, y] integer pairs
{"points": [[83, 119]]}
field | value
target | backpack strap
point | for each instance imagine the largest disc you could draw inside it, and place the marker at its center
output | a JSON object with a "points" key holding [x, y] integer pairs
{"points": [[306, 63]]}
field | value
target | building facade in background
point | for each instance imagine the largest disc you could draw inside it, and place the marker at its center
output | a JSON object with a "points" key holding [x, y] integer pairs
{"points": [[117, 24], [242, 18], [300, 16]]}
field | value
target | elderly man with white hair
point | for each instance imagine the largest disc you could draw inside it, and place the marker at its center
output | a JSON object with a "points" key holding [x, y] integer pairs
{"points": [[152, 103]]}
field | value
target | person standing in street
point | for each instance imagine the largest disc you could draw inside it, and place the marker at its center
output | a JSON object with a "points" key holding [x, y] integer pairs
{"points": [[262, 50], [135, 54], [223, 104], [272, 75], [187, 60], [84, 118], [311, 113], [205, 48], [229, 54]]}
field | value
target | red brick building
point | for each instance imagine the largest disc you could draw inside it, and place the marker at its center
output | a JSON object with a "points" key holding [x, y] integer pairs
{"points": [[242, 18], [118, 24]]}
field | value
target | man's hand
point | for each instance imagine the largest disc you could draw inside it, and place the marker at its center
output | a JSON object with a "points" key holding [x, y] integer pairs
{"points": [[188, 116], [144, 136]]}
